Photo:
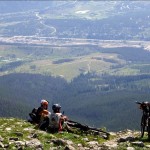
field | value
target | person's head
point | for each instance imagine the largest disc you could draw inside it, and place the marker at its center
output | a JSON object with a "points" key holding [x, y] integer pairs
{"points": [[56, 108], [144, 105], [44, 104]]}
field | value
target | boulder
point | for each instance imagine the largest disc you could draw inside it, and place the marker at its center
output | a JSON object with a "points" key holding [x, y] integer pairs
{"points": [[125, 139], [130, 148], [1, 139], [69, 147], [138, 143], [59, 142], [1, 145], [34, 143]]}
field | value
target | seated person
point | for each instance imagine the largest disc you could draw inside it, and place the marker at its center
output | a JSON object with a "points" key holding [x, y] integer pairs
{"points": [[38, 114], [56, 119]]}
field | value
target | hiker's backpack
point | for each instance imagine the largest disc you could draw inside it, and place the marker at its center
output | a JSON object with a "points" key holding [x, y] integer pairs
{"points": [[34, 110], [54, 120], [33, 115]]}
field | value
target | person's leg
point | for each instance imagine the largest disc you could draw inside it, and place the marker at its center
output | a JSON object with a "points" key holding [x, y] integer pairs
{"points": [[44, 124]]}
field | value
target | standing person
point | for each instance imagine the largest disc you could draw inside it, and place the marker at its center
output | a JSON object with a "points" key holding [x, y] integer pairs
{"points": [[56, 119]]}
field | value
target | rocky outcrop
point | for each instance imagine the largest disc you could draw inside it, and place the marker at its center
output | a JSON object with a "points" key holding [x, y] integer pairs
{"points": [[27, 137]]}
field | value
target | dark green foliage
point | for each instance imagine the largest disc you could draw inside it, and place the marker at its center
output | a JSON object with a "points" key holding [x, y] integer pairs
{"points": [[22, 92], [83, 100], [109, 60], [109, 107], [137, 55], [11, 65], [62, 61]]}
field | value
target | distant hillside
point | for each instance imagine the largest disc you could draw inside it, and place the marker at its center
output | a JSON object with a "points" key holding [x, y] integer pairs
{"points": [[109, 103], [21, 6], [107, 81], [106, 20], [70, 61]]}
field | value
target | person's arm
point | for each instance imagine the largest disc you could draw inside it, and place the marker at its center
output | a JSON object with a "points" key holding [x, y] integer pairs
{"points": [[45, 113], [64, 118], [61, 121]]}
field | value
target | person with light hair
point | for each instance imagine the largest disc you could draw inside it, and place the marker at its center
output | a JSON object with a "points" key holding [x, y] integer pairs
{"points": [[43, 115], [40, 115]]}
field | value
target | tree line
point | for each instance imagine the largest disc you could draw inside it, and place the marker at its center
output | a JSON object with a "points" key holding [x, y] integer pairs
{"points": [[82, 99]]}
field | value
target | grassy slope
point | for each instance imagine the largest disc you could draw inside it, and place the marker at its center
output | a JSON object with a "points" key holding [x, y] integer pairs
{"points": [[43, 63], [100, 61], [24, 131], [50, 60], [11, 126]]}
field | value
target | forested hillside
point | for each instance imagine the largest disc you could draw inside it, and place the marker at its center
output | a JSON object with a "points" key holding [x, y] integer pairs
{"points": [[102, 92], [83, 99]]}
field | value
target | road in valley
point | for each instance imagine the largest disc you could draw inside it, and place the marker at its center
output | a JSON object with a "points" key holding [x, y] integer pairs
{"points": [[45, 26]]}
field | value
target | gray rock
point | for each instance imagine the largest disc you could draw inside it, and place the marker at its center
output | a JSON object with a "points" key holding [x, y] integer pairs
{"points": [[86, 139], [1, 139], [130, 138], [112, 133], [130, 148], [138, 143], [147, 146], [80, 148], [6, 146], [53, 148], [29, 129], [79, 145], [34, 143], [34, 135], [109, 145], [87, 148], [8, 129], [94, 147], [20, 148], [125, 139], [69, 147], [59, 142], [19, 143], [93, 143], [1, 145], [68, 142]]}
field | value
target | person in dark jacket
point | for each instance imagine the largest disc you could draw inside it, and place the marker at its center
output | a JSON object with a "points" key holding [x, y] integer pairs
{"points": [[40, 115]]}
